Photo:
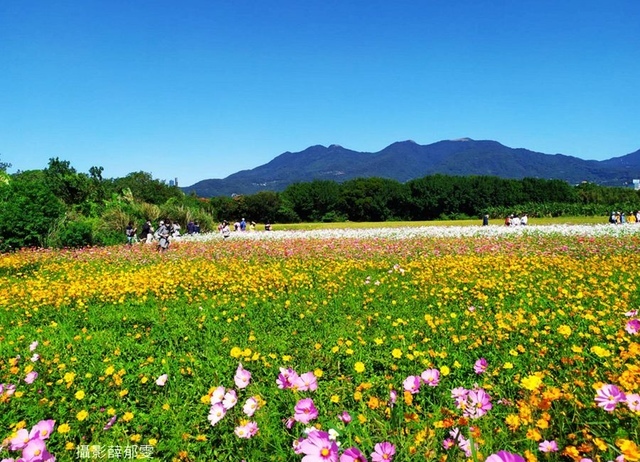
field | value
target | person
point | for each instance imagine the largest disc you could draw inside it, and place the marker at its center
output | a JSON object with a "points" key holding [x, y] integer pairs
{"points": [[147, 232], [243, 225], [130, 231], [163, 233], [485, 220], [190, 227], [267, 226], [226, 232], [196, 228], [252, 226], [524, 221]]}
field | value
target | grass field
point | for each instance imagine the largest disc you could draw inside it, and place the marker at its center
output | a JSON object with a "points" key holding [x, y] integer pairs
{"points": [[427, 343]]}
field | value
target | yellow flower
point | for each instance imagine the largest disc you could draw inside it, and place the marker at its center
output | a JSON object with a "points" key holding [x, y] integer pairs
{"points": [[629, 449], [79, 394], [335, 399], [127, 416], [82, 415], [600, 352], [236, 352], [576, 349], [359, 366], [64, 428], [362, 418], [136, 438], [357, 396], [318, 373], [111, 411], [110, 370], [153, 441], [507, 365], [531, 382], [444, 370], [201, 437], [123, 393], [534, 435], [564, 330], [166, 406], [69, 446], [396, 353]]}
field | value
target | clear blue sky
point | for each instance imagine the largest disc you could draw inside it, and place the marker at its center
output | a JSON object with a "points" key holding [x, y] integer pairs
{"points": [[200, 89]]}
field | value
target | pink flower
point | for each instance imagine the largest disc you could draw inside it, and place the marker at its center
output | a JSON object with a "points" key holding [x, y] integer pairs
{"points": [[286, 378], [216, 413], [480, 366], [633, 401], [478, 403], [412, 384], [35, 358], [352, 455], [548, 446], [305, 382], [305, 411], [609, 396], [246, 431], [42, 429], [459, 392], [383, 452], [218, 395], [448, 443], [318, 447], [250, 406], [36, 450], [431, 377], [242, 377], [230, 399], [160, 381], [345, 417], [633, 326], [33, 346], [393, 396], [504, 456], [31, 377], [20, 439]]}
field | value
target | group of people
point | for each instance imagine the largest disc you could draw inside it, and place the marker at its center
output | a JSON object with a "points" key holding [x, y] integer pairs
{"points": [[618, 218], [241, 226], [162, 235], [516, 220]]}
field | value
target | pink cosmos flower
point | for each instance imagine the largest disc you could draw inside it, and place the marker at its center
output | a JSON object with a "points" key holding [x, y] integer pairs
{"points": [[459, 392], [633, 401], [42, 429], [478, 403], [230, 399], [35, 358], [352, 455], [246, 431], [31, 377], [160, 381], [609, 396], [242, 377], [20, 439], [250, 406], [33, 346], [36, 450], [305, 411], [345, 417], [431, 377], [633, 326], [383, 452], [286, 378], [393, 396], [448, 443], [218, 395], [480, 366], [305, 382], [216, 413], [504, 456], [631, 313], [412, 384], [317, 447], [548, 446]]}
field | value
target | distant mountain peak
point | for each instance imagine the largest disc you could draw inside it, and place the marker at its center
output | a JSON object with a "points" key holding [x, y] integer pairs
{"points": [[335, 146]]}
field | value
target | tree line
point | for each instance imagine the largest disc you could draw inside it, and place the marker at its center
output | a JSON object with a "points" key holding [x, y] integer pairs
{"points": [[60, 207]]}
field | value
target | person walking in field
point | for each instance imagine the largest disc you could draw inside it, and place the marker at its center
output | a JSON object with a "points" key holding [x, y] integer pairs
{"points": [[163, 234], [130, 231]]}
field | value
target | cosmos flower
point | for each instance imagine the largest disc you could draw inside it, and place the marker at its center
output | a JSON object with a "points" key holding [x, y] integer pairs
{"points": [[633, 326], [431, 377], [31, 377], [504, 456], [383, 452], [305, 411], [352, 454], [318, 447], [412, 384], [480, 366], [242, 377], [216, 413], [608, 397], [250, 406], [160, 381], [548, 446]]}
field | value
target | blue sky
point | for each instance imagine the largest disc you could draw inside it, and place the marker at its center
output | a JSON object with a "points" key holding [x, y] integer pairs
{"points": [[200, 89]]}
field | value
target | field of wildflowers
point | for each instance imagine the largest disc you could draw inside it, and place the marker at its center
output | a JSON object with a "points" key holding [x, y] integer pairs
{"points": [[396, 344]]}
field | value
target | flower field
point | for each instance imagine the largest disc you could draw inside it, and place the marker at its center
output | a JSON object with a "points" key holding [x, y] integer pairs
{"points": [[381, 344]]}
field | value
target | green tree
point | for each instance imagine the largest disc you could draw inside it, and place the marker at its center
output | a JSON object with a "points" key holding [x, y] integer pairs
{"points": [[311, 201], [29, 210]]}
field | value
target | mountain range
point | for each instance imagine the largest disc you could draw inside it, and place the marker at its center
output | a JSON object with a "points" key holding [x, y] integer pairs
{"points": [[406, 160]]}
